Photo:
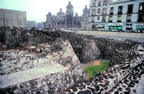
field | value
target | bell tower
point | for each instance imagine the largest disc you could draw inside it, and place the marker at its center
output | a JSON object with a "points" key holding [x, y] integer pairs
{"points": [[69, 15]]}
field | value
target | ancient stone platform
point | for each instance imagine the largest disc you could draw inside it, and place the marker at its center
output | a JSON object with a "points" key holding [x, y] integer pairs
{"points": [[54, 64], [30, 74]]}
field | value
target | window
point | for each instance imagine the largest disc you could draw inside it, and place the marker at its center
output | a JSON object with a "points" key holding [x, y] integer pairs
{"points": [[93, 4], [104, 18], [141, 12], [111, 10], [130, 9], [99, 10], [104, 11], [120, 9], [93, 20], [105, 2], [110, 19], [141, 18], [93, 12], [119, 18], [99, 3], [98, 18], [141, 8], [129, 18]]}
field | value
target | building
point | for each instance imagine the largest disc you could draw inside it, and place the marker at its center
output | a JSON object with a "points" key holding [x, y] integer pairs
{"points": [[84, 23], [49, 21], [77, 21], [69, 22], [39, 25], [63, 20], [60, 19], [34, 24], [31, 24], [12, 18], [117, 15]]}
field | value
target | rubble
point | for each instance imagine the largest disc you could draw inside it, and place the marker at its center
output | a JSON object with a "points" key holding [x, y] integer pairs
{"points": [[2, 46], [140, 48]]}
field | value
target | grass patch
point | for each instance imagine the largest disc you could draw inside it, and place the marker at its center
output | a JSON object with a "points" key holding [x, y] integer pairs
{"points": [[92, 70]]}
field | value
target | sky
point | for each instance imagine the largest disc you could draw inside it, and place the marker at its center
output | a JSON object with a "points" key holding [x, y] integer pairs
{"points": [[37, 9]]}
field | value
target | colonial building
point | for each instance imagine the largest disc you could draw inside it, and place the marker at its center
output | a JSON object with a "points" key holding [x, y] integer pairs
{"points": [[12, 18], [84, 23], [49, 21], [69, 22], [77, 21], [98, 14], [117, 15], [60, 19]]}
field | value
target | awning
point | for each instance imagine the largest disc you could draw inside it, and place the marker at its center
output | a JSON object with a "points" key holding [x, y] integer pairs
{"points": [[119, 27]]}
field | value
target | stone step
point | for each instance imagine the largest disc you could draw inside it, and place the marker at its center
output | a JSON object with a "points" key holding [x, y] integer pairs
{"points": [[27, 75]]}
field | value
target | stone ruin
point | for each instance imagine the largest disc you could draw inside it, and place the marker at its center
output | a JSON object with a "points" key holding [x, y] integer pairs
{"points": [[35, 62], [49, 62]]}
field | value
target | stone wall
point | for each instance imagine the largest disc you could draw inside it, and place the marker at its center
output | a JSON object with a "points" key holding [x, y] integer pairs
{"points": [[33, 61], [85, 48], [23, 68], [120, 78], [41, 55], [116, 51], [1, 35], [99, 48], [14, 37]]}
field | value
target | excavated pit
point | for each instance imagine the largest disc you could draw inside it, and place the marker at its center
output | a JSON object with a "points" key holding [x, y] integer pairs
{"points": [[50, 61], [89, 48]]}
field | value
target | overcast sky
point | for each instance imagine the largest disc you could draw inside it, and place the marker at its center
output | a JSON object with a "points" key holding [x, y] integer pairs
{"points": [[37, 9]]}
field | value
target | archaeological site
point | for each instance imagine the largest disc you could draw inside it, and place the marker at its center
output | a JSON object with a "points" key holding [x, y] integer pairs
{"points": [[50, 62]]}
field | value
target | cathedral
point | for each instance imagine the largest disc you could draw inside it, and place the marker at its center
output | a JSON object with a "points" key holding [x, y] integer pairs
{"points": [[85, 16], [69, 15], [63, 20]]}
